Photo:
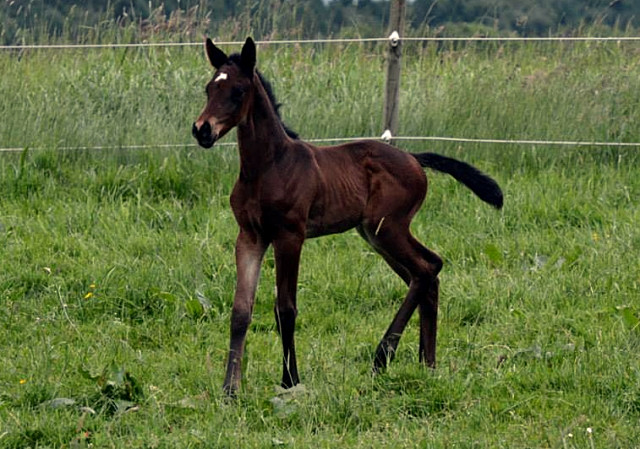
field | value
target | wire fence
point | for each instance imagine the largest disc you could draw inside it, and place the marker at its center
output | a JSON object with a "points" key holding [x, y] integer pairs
{"points": [[329, 41], [335, 140], [603, 39]]}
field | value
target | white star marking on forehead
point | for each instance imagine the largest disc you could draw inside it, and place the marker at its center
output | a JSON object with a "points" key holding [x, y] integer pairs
{"points": [[222, 76]]}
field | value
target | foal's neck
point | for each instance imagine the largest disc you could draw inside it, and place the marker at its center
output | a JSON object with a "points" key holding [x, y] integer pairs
{"points": [[261, 136]]}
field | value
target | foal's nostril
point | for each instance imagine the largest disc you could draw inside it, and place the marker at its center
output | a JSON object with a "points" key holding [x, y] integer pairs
{"points": [[205, 130], [204, 134]]}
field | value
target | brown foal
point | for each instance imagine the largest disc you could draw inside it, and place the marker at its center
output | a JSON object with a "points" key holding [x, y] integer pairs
{"points": [[289, 190]]}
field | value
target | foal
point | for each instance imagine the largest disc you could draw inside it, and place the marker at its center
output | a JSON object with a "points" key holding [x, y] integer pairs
{"points": [[289, 190]]}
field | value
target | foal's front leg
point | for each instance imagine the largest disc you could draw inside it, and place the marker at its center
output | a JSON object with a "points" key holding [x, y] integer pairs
{"points": [[250, 250], [287, 250]]}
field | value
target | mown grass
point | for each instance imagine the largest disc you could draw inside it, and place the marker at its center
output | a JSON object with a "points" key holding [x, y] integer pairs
{"points": [[117, 275]]}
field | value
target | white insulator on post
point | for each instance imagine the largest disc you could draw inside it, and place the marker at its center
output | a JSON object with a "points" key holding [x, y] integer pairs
{"points": [[394, 38], [387, 136]]}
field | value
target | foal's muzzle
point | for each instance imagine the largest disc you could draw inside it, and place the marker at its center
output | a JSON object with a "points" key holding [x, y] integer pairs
{"points": [[204, 135]]}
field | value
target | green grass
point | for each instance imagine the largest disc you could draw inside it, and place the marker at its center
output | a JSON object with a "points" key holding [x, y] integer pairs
{"points": [[116, 267]]}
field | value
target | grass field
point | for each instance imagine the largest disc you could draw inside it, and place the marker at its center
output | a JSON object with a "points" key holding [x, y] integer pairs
{"points": [[116, 266]]}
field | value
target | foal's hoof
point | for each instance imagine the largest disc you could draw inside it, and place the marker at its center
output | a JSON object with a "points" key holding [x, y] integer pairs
{"points": [[288, 383], [230, 392], [379, 365], [429, 362], [382, 358]]}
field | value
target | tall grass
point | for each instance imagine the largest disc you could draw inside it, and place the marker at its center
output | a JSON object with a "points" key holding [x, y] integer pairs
{"points": [[531, 91], [116, 274]]}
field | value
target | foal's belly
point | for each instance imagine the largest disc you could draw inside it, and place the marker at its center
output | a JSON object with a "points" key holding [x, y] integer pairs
{"points": [[334, 217], [318, 229], [337, 208]]}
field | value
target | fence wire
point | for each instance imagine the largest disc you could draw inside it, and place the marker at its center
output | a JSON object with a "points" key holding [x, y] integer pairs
{"points": [[328, 41], [335, 140]]}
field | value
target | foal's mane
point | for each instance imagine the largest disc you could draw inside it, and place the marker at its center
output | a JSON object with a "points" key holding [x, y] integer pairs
{"points": [[235, 58]]}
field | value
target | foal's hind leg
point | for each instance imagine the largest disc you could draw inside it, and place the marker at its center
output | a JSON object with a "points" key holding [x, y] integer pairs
{"points": [[406, 255], [395, 266], [428, 309]]}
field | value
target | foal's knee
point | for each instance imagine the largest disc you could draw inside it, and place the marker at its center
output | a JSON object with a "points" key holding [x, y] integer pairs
{"points": [[240, 321]]}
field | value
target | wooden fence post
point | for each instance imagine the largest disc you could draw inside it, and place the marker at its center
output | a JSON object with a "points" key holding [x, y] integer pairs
{"points": [[392, 87]]}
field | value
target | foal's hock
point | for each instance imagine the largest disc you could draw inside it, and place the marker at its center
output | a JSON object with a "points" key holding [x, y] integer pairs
{"points": [[289, 190]]}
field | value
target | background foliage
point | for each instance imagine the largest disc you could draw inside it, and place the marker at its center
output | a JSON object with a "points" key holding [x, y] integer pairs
{"points": [[40, 20]]}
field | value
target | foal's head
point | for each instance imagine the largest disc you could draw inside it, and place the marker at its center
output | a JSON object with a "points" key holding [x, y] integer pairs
{"points": [[231, 92], [228, 93]]}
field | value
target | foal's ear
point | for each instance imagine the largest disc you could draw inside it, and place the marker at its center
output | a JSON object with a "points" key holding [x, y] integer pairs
{"points": [[248, 56], [217, 57]]}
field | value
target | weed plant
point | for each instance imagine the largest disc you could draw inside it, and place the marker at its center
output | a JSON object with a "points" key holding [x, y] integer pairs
{"points": [[117, 273]]}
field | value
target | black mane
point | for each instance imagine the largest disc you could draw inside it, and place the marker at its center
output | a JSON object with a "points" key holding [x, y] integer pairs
{"points": [[235, 58]]}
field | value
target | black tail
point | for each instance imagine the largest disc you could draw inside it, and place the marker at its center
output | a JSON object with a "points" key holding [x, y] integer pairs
{"points": [[482, 185]]}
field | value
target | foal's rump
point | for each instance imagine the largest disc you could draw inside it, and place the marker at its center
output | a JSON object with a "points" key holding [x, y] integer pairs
{"points": [[376, 162]]}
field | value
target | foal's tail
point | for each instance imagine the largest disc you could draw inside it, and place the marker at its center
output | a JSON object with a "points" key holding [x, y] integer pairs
{"points": [[482, 185]]}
